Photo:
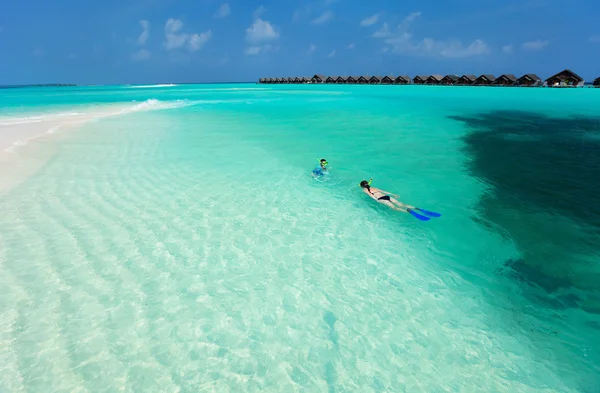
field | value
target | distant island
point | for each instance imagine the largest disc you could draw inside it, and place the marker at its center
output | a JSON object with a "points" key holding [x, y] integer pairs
{"points": [[40, 85]]}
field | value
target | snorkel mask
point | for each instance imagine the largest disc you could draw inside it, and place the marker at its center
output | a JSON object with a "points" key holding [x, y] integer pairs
{"points": [[324, 163]]}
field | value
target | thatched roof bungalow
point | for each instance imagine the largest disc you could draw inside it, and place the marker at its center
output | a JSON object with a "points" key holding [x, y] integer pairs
{"points": [[565, 78], [505, 80], [318, 78], [597, 82], [304, 79], [484, 80], [420, 79], [375, 80], [434, 80], [449, 80], [529, 80], [467, 79], [362, 80], [341, 80], [351, 80], [402, 80], [331, 79], [387, 80]]}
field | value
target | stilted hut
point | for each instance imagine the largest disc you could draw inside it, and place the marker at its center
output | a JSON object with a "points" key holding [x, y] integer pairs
{"points": [[402, 80], [484, 80], [362, 80], [331, 79], [565, 78], [467, 79], [529, 80], [505, 80], [352, 80], [318, 78], [597, 82], [304, 79], [297, 80], [386, 80], [375, 80], [449, 80], [434, 80], [261, 80], [420, 79]]}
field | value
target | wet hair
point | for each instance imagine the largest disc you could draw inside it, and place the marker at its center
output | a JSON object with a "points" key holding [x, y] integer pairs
{"points": [[365, 184], [322, 159]]}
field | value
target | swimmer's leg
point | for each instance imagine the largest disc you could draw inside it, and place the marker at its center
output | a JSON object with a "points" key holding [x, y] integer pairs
{"points": [[391, 205], [400, 206]]}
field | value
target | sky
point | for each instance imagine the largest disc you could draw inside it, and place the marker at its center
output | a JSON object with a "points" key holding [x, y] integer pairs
{"points": [[186, 41]]}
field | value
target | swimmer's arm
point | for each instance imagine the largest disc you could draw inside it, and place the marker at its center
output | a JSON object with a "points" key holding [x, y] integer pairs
{"points": [[390, 193]]}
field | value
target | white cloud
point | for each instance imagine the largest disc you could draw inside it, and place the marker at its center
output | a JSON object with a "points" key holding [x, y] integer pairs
{"points": [[37, 52], [175, 39], [323, 18], [351, 46], [508, 49], [401, 40], [141, 55], [257, 50], [259, 12], [261, 30], [595, 38], [223, 11], [383, 31], [535, 45], [331, 54], [197, 41], [312, 48], [371, 20], [145, 32]]}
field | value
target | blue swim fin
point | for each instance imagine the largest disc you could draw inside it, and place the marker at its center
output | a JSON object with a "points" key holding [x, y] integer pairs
{"points": [[420, 217], [428, 213]]}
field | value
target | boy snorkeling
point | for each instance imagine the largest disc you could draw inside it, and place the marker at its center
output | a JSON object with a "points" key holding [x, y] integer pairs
{"points": [[321, 169], [384, 197]]}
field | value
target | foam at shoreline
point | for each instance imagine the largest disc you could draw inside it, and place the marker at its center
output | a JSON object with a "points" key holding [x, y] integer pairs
{"points": [[17, 131]]}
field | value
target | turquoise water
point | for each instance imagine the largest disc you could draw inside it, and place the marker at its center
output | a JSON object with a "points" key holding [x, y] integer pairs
{"points": [[182, 245]]}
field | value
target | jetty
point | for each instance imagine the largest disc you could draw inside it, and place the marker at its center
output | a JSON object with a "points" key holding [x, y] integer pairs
{"points": [[565, 78]]}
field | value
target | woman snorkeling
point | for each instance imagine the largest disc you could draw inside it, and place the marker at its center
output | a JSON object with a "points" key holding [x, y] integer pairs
{"points": [[384, 197]]}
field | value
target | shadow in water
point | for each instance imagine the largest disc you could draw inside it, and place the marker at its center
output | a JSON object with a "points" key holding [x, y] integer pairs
{"points": [[544, 174]]}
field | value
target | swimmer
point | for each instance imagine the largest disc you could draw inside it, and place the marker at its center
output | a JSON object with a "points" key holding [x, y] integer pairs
{"points": [[384, 197], [321, 169]]}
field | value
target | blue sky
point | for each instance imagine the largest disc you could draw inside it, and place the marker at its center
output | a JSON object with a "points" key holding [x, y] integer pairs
{"points": [[153, 41]]}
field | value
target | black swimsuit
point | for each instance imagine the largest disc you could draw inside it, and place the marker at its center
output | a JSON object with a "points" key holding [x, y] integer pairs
{"points": [[384, 198]]}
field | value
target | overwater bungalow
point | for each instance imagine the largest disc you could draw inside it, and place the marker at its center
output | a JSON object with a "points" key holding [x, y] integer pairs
{"points": [[434, 80], [304, 79], [565, 78], [375, 80], [597, 82], [362, 80], [387, 80], [261, 80], [297, 80], [318, 78], [420, 79], [402, 80], [484, 80], [467, 79], [331, 79], [505, 80], [341, 80], [529, 80], [350, 80], [449, 80]]}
